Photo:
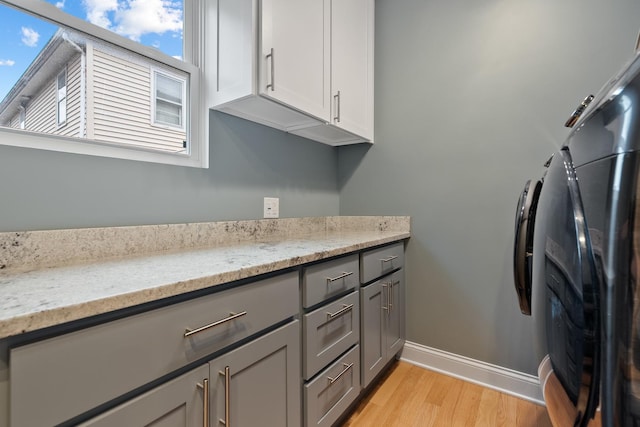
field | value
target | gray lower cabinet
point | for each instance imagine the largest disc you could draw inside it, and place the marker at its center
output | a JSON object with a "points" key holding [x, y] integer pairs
{"points": [[395, 314], [134, 351], [331, 333], [378, 262], [382, 335], [334, 339], [178, 403], [258, 384], [329, 394]]}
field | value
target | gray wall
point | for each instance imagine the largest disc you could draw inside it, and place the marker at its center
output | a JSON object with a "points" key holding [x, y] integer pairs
{"points": [[48, 190], [471, 97]]}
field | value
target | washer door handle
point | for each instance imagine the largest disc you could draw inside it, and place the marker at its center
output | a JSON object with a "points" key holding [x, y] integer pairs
{"points": [[578, 112]]}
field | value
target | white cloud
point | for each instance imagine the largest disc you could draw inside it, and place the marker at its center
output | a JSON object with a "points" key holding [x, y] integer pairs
{"points": [[135, 18], [7, 62], [30, 36], [60, 4], [98, 11]]}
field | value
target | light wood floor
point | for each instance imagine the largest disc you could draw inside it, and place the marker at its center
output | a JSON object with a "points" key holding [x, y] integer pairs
{"points": [[410, 396]]}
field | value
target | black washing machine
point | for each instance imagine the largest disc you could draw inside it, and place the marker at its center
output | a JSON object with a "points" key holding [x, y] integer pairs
{"points": [[577, 259]]}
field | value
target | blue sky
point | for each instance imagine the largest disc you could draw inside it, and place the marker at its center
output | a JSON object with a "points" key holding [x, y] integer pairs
{"points": [[156, 23]]}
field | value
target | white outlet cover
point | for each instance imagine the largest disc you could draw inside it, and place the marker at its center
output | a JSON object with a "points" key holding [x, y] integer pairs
{"points": [[271, 207]]}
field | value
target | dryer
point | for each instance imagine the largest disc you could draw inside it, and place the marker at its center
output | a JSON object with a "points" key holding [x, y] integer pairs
{"points": [[577, 261]]}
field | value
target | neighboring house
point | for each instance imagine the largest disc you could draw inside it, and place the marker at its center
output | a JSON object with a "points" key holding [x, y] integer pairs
{"points": [[78, 87]]}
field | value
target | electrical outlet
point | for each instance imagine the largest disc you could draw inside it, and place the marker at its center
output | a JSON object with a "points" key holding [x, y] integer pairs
{"points": [[271, 207]]}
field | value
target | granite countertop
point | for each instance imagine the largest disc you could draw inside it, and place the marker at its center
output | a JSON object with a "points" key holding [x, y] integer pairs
{"points": [[50, 278]]}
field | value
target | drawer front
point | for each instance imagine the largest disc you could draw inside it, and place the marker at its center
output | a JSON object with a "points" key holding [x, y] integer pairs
{"points": [[329, 331], [329, 395], [97, 364], [378, 262], [322, 281]]}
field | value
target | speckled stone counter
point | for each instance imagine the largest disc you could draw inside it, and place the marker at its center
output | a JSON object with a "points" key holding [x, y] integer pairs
{"points": [[51, 277]]}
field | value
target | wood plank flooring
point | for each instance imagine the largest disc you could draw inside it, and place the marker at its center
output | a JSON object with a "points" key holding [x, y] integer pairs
{"points": [[410, 396]]}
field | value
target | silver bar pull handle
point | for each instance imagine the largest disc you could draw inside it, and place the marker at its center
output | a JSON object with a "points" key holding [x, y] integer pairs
{"points": [[227, 394], [344, 371], [205, 397], [272, 85], [342, 276], [392, 302], [385, 288], [336, 98], [391, 258], [232, 316], [343, 310]]}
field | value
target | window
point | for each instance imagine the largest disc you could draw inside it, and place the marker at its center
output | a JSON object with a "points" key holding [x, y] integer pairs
{"points": [[168, 100], [117, 56], [22, 117], [62, 97]]}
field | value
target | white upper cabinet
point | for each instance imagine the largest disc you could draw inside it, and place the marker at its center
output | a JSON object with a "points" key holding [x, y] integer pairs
{"points": [[295, 63], [351, 71], [352, 64], [302, 66]]}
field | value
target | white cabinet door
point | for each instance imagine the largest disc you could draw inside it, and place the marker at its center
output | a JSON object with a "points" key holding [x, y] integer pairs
{"points": [[352, 65], [294, 66]]}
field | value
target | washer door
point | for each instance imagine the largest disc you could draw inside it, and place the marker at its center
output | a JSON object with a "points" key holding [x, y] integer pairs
{"points": [[565, 276], [523, 244]]}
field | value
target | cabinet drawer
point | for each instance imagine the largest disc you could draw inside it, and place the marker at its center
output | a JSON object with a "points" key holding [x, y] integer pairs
{"points": [[330, 394], [380, 261], [322, 281], [329, 331], [97, 364]]}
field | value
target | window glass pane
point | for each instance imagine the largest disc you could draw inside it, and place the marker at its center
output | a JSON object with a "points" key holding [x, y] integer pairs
{"points": [[62, 80], [154, 23], [168, 113], [168, 89], [62, 111], [34, 54]]}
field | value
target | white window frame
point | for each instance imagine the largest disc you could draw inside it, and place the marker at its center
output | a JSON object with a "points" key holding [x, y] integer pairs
{"points": [[154, 122], [196, 118], [61, 121]]}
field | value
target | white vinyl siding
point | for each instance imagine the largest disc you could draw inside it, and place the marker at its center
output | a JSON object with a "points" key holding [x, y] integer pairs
{"points": [[41, 114], [74, 93], [122, 112], [15, 121], [41, 110]]}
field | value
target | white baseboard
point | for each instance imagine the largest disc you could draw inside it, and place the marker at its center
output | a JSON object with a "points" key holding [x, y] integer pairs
{"points": [[505, 380]]}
